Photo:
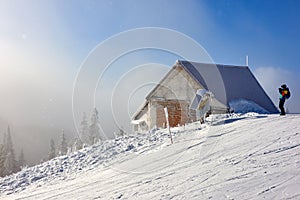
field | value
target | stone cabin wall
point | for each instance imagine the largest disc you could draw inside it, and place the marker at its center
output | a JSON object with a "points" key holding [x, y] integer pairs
{"points": [[175, 92], [179, 113]]}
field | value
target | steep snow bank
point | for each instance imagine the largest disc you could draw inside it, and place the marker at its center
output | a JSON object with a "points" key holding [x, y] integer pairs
{"points": [[83, 160], [235, 157]]}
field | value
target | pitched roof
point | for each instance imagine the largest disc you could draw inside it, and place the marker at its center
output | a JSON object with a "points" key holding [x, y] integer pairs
{"points": [[229, 82]]}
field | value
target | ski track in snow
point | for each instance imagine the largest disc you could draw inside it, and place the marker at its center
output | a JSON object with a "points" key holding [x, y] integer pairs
{"points": [[247, 156]]}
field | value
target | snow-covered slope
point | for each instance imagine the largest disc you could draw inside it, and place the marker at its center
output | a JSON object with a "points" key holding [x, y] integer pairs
{"points": [[246, 156]]}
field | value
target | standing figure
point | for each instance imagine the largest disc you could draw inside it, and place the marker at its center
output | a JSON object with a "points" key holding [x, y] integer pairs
{"points": [[284, 94]]}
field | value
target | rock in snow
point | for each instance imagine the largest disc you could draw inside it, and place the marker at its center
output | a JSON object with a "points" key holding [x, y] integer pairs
{"points": [[239, 156]]}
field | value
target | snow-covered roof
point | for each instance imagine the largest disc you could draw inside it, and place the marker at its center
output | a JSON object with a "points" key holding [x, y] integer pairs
{"points": [[235, 82]]}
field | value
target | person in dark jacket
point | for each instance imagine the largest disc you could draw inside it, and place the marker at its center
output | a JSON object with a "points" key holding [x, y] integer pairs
{"points": [[284, 94]]}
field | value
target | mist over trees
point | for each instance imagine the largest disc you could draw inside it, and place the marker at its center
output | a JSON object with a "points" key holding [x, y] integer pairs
{"points": [[2, 159], [94, 128], [21, 160], [77, 144], [8, 162], [84, 130], [89, 134], [52, 150], [63, 149]]}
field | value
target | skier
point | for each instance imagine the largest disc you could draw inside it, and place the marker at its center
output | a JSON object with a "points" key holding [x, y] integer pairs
{"points": [[284, 94]]}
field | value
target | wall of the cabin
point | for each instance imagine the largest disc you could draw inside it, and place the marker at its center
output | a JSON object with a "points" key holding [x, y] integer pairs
{"points": [[175, 92], [178, 85]]}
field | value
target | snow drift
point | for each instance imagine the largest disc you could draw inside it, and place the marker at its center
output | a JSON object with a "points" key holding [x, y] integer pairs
{"points": [[248, 156], [245, 106]]}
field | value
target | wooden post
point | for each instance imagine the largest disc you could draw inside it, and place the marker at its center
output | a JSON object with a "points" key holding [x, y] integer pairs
{"points": [[168, 124]]}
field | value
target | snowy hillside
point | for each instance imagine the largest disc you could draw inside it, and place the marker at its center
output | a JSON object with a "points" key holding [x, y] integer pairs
{"points": [[246, 156]]}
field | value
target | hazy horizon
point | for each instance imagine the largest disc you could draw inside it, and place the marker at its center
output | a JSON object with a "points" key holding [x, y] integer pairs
{"points": [[45, 44]]}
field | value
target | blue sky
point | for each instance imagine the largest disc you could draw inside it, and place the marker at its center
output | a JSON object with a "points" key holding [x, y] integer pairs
{"points": [[50, 39], [268, 31], [43, 44]]}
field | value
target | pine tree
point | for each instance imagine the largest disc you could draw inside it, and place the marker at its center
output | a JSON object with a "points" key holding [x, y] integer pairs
{"points": [[52, 151], [2, 155], [77, 144], [10, 164], [69, 151], [84, 130], [94, 129], [4, 138], [21, 161], [121, 132], [63, 144], [2, 159]]}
